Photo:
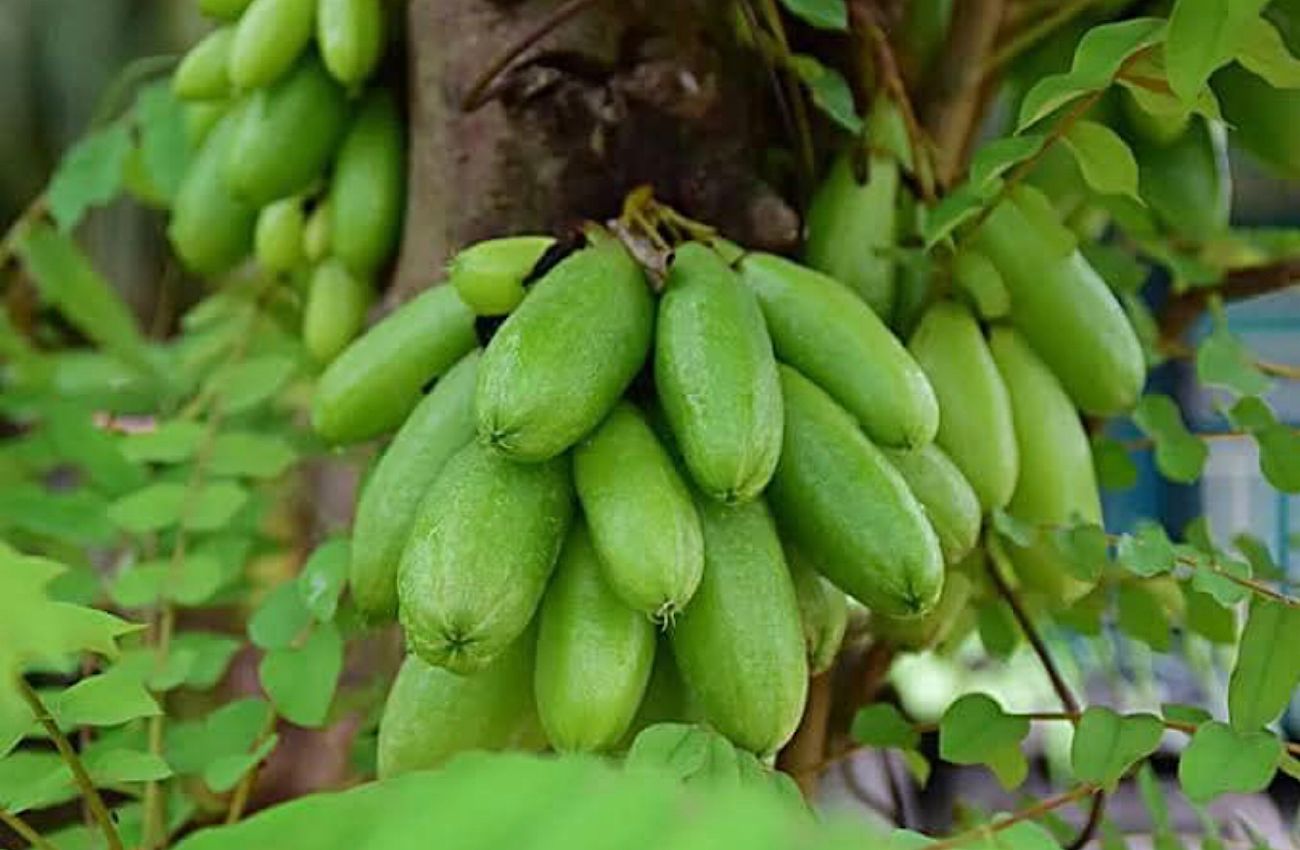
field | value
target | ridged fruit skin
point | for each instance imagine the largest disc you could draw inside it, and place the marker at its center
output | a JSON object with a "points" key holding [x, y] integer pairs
{"points": [[975, 428], [915, 634], [642, 518], [277, 241], [370, 388], [1057, 484], [481, 549], [849, 223], [211, 229], [203, 74], [490, 275], [848, 511], [439, 426], [594, 654], [351, 37], [563, 358], [367, 189], [337, 301], [716, 376], [269, 38], [306, 106], [1066, 312], [739, 643], [948, 499], [820, 327], [432, 714], [823, 612], [1187, 182]]}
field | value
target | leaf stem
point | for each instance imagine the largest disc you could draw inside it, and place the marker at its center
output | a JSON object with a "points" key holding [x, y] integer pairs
{"points": [[239, 801], [794, 95], [1031, 813], [69, 755], [1032, 34], [25, 830]]}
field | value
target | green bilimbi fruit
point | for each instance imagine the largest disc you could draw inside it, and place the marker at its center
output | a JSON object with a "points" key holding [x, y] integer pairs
{"points": [[202, 74], [739, 643], [372, 386], [482, 547], [850, 223], [201, 119], [278, 240], [351, 37], [432, 714], [316, 233], [368, 186], [561, 361], [848, 511], [949, 500], [269, 38], [306, 106], [210, 228], [826, 332], [441, 424], [643, 521], [1187, 182], [337, 301], [1065, 311], [594, 654], [917, 633], [976, 275], [975, 429], [490, 275], [823, 611], [666, 700], [716, 376], [223, 10], [1057, 484]]}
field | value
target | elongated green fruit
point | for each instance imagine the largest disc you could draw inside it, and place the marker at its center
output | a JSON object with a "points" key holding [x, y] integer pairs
{"points": [[201, 118], [1187, 182], [351, 37], [594, 654], [716, 377], [979, 278], [210, 228], [441, 424], [849, 223], [1057, 484], [337, 301], [739, 643], [371, 387], [848, 510], [558, 365], [223, 10], [270, 37], [948, 499], [278, 240], [482, 547], [823, 611], [490, 275], [367, 190], [826, 332], [667, 699], [918, 633], [306, 106], [1066, 312], [317, 233], [642, 518], [202, 74], [432, 714], [975, 429]]}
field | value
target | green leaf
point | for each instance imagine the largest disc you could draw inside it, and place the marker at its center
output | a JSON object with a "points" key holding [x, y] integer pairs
{"points": [[248, 455], [1114, 464], [89, 174], [1223, 760], [79, 442], [998, 630], [1142, 617], [1154, 799], [104, 700], [822, 14], [170, 442], [210, 653], [697, 756], [230, 730], [106, 766], [1180, 456], [1209, 619], [280, 619], [1202, 35], [1262, 51], [1106, 744], [224, 773], [975, 728], [246, 385], [1222, 361], [1016, 530], [1105, 160], [1147, 552], [1001, 155], [191, 583], [1212, 577], [1260, 559], [168, 504], [160, 120], [1279, 457], [829, 90], [882, 725], [1190, 714], [301, 680], [79, 517], [1268, 665], [956, 208], [1252, 415], [323, 576], [1083, 549]]}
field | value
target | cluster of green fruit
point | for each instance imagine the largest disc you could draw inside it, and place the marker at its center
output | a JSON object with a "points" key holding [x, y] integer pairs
{"points": [[296, 161], [730, 465]]}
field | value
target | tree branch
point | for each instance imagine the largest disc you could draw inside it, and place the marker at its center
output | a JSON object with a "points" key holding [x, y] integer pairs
{"points": [[1182, 311], [803, 756], [1031, 813]]}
